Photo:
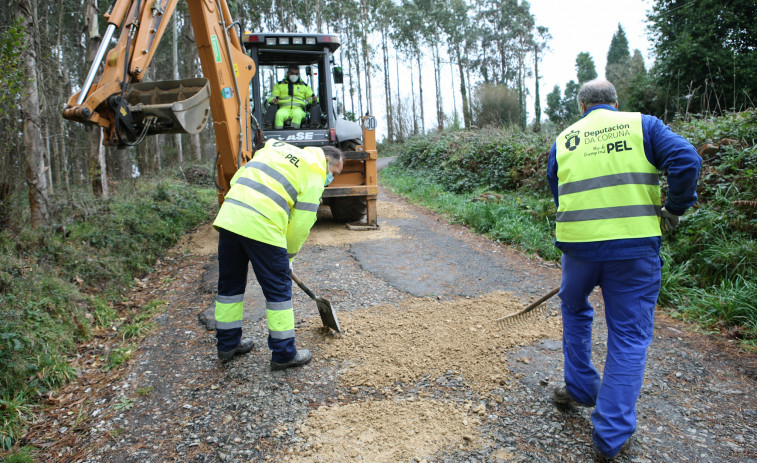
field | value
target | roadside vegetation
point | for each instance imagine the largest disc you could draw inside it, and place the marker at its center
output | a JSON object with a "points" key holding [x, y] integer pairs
{"points": [[495, 182], [59, 285]]}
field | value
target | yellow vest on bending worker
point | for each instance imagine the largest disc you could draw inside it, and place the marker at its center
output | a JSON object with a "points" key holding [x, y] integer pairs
{"points": [[607, 189], [274, 197]]}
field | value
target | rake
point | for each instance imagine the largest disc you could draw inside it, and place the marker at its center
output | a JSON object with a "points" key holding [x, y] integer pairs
{"points": [[521, 315]]}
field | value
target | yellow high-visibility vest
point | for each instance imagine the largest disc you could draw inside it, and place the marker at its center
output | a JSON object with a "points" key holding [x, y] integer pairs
{"points": [[607, 189], [274, 198], [301, 94]]}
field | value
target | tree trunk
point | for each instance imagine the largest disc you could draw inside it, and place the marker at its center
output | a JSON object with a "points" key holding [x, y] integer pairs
{"points": [[420, 92], [32, 134], [463, 89], [537, 103], [437, 81], [400, 132], [412, 95], [387, 88], [366, 57], [97, 169], [175, 57]]}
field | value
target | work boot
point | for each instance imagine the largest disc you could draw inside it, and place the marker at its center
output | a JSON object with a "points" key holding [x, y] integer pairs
{"points": [[244, 346], [302, 358], [602, 457], [561, 396], [295, 125]]}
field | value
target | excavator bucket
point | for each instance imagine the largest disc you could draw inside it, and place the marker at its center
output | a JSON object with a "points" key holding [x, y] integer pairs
{"points": [[178, 106]]}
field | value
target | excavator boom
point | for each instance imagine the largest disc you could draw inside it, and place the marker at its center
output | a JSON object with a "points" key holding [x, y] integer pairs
{"points": [[129, 109]]}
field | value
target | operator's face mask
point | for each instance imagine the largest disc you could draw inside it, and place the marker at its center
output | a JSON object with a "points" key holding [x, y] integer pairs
{"points": [[294, 78], [329, 179]]}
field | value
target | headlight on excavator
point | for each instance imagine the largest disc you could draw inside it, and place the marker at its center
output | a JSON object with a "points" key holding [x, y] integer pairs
{"points": [[296, 40]]}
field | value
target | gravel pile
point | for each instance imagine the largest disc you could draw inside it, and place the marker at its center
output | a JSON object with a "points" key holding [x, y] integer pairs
{"points": [[174, 402]]}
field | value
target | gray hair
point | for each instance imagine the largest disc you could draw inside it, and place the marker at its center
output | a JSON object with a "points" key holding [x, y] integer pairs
{"points": [[597, 91], [333, 154]]}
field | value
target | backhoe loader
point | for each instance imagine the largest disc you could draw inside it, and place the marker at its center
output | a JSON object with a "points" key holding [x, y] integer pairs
{"points": [[129, 109]]}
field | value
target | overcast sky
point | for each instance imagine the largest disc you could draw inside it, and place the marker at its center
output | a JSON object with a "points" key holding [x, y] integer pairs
{"points": [[575, 26], [586, 25]]}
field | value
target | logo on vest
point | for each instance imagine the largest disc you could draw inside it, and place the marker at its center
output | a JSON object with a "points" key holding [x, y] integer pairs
{"points": [[573, 140]]}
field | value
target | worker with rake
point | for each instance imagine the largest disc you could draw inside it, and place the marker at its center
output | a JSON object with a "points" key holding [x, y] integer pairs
{"points": [[264, 220], [603, 173]]}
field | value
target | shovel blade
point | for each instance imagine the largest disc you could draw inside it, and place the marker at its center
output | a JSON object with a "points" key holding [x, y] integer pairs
{"points": [[328, 315]]}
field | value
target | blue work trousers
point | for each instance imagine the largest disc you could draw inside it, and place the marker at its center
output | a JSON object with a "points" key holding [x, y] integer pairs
{"points": [[630, 289], [271, 267]]}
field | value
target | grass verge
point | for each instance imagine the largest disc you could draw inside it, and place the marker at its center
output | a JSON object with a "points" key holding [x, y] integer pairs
{"points": [[495, 183], [59, 284], [520, 219]]}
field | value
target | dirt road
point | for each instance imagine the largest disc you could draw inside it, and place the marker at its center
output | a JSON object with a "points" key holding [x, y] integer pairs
{"points": [[421, 373]]}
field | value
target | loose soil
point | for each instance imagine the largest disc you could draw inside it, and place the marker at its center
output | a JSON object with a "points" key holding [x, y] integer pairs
{"points": [[336, 234], [392, 210], [202, 242], [413, 378], [386, 430], [423, 337]]}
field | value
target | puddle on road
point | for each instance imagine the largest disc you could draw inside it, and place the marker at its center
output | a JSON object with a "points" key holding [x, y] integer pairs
{"points": [[386, 345], [386, 430]]}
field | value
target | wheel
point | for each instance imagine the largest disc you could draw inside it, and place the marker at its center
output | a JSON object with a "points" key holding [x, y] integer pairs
{"points": [[348, 209]]}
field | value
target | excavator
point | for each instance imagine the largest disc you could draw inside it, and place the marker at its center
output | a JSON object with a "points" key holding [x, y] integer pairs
{"points": [[129, 110]]}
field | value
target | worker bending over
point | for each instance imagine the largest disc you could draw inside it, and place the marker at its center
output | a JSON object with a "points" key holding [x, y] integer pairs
{"points": [[264, 220], [602, 171], [292, 95]]}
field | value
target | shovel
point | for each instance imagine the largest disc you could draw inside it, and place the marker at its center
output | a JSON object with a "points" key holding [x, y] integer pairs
{"points": [[325, 310]]}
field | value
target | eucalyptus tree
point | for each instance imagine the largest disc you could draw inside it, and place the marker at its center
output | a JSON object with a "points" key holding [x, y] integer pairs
{"points": [[34, 147], [409, 38]]}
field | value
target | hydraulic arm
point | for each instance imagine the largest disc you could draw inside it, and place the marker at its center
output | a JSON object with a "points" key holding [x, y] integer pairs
{"points": [[129, 109]]}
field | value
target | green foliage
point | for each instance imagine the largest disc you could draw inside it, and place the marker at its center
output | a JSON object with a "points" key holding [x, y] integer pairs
{"points": [[15, 412], [522, 220], [118, 357], [487, 158], [706, 55], [11, 74], [123, 404], [618, 52], [585, 69], [494, 105], [22, 456], [563, 111], [494, 181], [57, 285]]}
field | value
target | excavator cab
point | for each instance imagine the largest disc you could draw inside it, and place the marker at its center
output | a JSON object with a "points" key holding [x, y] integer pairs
{"points": [[352, 195]]}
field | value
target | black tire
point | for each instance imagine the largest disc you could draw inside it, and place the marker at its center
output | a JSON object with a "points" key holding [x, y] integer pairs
{"points": [[348, 209]]}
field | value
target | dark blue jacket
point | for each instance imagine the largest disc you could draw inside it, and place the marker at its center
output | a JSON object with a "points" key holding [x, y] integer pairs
{"points": [[665, 150]]}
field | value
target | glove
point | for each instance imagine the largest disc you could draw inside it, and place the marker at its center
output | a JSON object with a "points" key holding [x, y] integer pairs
{"points": [[668, 221], [291, 269]]}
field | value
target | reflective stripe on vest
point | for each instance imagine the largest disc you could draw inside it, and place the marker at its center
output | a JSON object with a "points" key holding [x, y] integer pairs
{"points": [[607, 188]]}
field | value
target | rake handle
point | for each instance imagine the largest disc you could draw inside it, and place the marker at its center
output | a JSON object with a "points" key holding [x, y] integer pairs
{"points": [[530, 307], [541, 301]]}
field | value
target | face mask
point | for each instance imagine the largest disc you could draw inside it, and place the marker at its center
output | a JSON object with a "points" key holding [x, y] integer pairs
{"points": [[294, 78], [329, 179]]}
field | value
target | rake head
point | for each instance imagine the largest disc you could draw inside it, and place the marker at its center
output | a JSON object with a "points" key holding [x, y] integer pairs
{"points": [[522, 317]]}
